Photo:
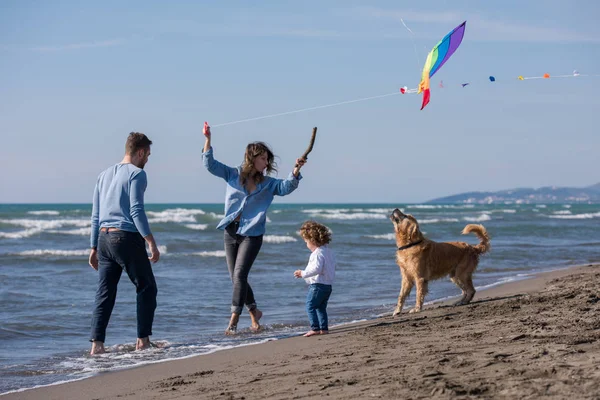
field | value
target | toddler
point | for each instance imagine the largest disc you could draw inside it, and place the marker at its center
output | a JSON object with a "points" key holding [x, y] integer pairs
{"points": [[319, 274]]}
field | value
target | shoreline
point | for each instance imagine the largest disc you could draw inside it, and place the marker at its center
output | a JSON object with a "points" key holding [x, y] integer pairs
{"points": [[219, 373]]}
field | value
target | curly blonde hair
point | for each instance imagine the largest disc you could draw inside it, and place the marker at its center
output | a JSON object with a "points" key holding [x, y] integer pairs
{"points": [[254, 150], [317, 234]]}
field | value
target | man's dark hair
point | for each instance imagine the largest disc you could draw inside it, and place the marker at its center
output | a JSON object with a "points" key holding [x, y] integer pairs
{"points": [[137, 141]]}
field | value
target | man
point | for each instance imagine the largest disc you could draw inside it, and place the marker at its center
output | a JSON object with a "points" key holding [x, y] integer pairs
{"points": [[119, 229]]}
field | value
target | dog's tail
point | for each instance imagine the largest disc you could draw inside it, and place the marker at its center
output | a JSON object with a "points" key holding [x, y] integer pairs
{"points": [[484, 239]]}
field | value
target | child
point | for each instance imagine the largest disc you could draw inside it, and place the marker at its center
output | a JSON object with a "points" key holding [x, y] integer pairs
{"points": [[319, 274]]}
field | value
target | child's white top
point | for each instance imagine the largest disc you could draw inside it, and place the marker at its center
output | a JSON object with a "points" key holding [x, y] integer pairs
{"points": [[321, 267]]}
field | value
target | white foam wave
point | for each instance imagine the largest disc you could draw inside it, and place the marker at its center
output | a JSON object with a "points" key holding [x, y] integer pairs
{"points": [[80, 231], [438, 206], [577, 216], [46, 224], [44, 212], [347, 216], [279, 239], [387, 236], [217, 253], [162, 249], [567, 206], [176, 215], [481, 218], [326, 210], [563, 212], [436, 220], [197, 227], [51, 252], [20, 234]]}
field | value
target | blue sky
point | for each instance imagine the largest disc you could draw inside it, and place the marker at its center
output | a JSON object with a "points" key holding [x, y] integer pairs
{"points": [[77, 77]]}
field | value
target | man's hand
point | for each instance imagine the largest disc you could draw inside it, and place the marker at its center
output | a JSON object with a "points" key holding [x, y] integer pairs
{"points": [[206, 129], [298, 273], [94, 259], [154, 253]]}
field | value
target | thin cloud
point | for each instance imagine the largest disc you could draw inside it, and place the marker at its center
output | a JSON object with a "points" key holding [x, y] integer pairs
{"points": [[78, 46]]}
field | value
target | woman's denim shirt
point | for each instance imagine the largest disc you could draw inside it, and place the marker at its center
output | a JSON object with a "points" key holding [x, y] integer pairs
{"points": [[252, 207]]}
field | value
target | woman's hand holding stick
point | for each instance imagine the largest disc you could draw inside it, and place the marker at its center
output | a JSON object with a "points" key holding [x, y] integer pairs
{"points": [[302, 160]]}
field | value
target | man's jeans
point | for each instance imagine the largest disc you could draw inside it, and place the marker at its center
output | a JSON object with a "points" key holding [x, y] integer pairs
{"points": [[118, 251], [241, 251], [316, 306]]}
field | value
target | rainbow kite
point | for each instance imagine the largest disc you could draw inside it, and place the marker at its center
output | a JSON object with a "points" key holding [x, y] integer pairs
{"points": [[438, 57]]}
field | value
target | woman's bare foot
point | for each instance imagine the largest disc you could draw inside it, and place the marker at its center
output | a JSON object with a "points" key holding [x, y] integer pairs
{"points": [[143, 343], [232, 328], [324, 332], [311, 333], [97, 348], [255, 316]]}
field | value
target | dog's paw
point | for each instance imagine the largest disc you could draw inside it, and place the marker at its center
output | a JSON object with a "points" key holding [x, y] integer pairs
{"points": [[414, 310], [396, 313]]}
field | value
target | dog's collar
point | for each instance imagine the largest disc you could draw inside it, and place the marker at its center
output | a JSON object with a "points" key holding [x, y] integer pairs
{"points": [[409, 245]]}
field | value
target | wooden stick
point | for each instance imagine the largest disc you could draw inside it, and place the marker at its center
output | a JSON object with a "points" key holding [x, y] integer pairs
{"points": [[310, 146]]}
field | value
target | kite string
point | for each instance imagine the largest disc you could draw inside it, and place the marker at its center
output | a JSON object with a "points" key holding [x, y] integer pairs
{"points": [[306, 109], [412, 39]]}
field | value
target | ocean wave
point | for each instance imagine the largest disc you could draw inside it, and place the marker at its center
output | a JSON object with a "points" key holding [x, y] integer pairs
{"points": [[217, 253], [326, 210], [80, 231], [51, 252], [438, 206], [44, 212], [278, 239], [577, 216], [197, 227], [387, 236], [176, 215], [20, 234], [563, 212], [480, 218], [46, 224], [347, 216], [436, 220], [216, 216]]}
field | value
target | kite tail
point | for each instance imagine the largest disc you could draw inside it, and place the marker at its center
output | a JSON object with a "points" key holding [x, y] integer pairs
{"points": [[426, 97]]}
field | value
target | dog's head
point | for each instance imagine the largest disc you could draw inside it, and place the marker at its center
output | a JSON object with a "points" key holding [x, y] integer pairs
{"points": [[406, 227]]}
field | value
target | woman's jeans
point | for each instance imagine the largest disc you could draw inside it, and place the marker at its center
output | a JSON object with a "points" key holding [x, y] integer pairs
{"points": [[241, 251], [316, 306], [118, 251]]}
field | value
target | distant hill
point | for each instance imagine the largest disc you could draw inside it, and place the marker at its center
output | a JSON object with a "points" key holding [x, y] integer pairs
{"points": [[548, 195]]}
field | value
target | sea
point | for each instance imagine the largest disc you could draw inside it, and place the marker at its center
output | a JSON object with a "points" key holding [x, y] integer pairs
{"points": [[47, 287]]}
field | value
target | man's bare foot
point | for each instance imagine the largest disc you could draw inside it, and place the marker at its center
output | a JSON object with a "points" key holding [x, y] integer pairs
{"points": [[255, 316], [143, 343], [97, 348], [311, 333], [232, 328], [324, 332]]}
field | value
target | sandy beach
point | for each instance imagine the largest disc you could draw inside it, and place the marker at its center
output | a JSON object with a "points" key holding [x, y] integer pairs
{"points": [[529, 339]]}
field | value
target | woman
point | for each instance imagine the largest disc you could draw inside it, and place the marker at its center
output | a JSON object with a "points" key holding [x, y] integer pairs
{"points": [[250, 192]]}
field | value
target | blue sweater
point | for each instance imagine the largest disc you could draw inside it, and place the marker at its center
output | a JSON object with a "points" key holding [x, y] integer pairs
{"points": [[251, 206], [119, 201]]}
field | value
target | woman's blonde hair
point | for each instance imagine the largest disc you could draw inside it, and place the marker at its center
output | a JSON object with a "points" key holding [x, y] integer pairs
{"points": [[254, 150], [317, 234]]}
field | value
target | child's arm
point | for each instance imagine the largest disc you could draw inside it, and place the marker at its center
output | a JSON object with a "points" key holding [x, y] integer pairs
{"points": [[315, 265]]}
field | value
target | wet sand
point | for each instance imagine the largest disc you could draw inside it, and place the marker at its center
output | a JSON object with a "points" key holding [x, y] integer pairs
{"points": [[531, 339]]}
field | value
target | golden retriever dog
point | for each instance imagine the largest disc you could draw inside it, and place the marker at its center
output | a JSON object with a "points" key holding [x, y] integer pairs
{"points": [[421, 260]]}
